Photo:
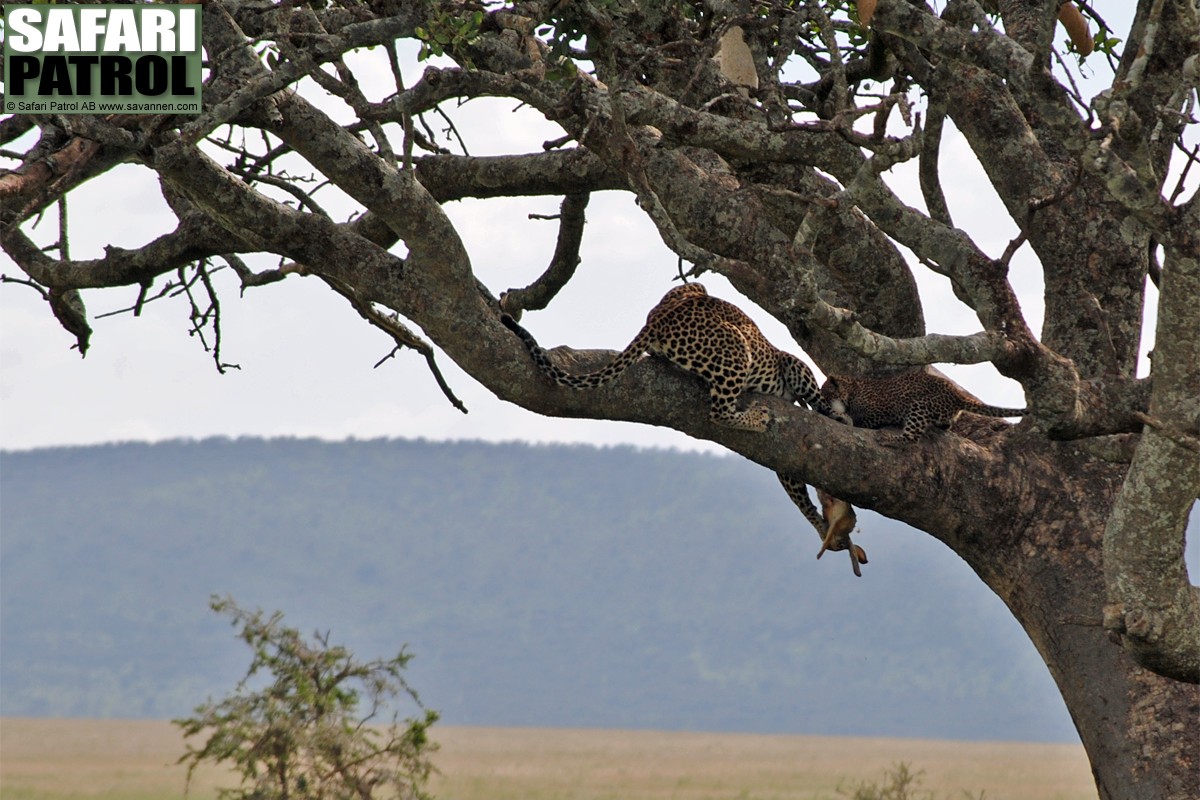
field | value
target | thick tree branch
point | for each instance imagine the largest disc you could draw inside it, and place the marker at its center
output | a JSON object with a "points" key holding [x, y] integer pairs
{"points": [[1136, 190], [801, 443], [1030, 141], [52, 168], [440, 84], [950, 250], [67, 306], [1151, 603], [559, 172], [931, 184], [538, 294], [856, 265], [261, 222], [192, 240]]}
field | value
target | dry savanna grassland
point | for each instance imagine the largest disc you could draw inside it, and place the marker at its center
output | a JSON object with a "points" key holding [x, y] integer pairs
{"points": [[51, 759]]}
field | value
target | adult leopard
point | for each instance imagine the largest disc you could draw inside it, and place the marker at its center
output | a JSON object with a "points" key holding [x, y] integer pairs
{"points": [[714, 339]]}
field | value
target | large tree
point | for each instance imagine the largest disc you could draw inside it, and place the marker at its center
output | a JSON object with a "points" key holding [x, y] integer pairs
{"points": [[758, 137]]}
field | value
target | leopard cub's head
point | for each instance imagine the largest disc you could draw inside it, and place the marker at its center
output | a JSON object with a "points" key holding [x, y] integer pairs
{"points": [[833, 392]]}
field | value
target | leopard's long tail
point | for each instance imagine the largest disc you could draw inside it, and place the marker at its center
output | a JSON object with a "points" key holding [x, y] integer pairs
{"points": [[995, 411], [589, 380]]}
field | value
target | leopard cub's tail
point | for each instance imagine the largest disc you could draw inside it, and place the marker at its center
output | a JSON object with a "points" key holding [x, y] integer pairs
{"points": [[995, 411]]}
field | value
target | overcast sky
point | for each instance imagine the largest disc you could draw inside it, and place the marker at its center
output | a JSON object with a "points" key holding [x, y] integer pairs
{"points": [[306, 357]]}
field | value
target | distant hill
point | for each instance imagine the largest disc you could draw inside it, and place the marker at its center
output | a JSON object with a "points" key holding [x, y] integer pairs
{"points": [[537, 586]]}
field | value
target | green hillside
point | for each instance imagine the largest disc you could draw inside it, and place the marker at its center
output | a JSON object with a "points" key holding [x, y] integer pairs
{"points": [[537, 586]]}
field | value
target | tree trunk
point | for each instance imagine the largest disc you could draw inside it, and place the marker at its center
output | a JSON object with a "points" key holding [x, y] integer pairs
{"points": [[1140, 729]]}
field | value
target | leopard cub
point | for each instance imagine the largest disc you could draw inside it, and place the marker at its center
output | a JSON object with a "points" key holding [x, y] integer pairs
{"points": [[913, 401]]}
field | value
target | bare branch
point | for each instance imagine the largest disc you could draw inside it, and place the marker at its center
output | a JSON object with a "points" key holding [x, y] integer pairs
{"points": [[211, 315], [194, 238], [250, 278], [40, 181], [168, 289], [538, 294], [931, 185], [1004, 57], [400, 333], [1036, 205], [1189, 160], [37, 287]]}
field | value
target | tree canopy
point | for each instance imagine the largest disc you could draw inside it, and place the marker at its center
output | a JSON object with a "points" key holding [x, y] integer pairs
{"points": [[758, 137]]}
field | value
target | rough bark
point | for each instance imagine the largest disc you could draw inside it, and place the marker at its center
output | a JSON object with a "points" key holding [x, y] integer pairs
{"points": [[1075, 518]]}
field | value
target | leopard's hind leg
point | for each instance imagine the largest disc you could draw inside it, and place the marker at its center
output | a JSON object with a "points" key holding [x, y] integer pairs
{"points": [[724, 411], [726, 367]]}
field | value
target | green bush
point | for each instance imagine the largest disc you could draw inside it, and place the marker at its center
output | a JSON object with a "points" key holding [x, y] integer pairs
{"points": [[311, 732], [900, 783]]}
